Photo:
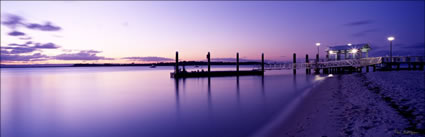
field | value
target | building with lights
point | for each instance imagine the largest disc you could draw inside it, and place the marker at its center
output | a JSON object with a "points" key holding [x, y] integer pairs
{"points": [[349, 51]]}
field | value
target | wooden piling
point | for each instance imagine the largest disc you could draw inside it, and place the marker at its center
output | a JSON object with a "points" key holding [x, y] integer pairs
{"points": [[209, 61], [367, 68], [177, 62], [262, 62], [317, 70], [237, 62], [307, 69], [374, 68], [294, 61]]}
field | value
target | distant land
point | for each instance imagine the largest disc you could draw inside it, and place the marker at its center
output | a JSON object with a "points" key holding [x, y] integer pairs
{"points": [[188, 63]]}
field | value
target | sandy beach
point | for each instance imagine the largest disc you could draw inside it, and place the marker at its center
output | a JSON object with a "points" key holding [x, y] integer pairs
{"points": [[360, 104]]}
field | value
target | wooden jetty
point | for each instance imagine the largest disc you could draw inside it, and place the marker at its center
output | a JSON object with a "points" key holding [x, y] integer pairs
{"points": [[185, 74], [352, 65], [328, 66]]}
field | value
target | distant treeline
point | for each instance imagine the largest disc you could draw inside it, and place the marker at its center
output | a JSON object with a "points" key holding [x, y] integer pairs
{"points": [[166, 64]]}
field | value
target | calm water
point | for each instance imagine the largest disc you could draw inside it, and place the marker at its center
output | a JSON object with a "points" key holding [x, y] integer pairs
{"points": [[141, 101]]}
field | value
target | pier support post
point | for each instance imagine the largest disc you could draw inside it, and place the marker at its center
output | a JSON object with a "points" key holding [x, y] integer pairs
{"points": [[374, 68], [294, 64], [262, 62], [177, 62], [307, 69], [317, 70], [367, 68], [408, 63], [237, 62], [209, 62]]}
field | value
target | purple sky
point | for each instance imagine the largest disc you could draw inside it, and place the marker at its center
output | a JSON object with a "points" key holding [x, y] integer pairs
{"points": [[147, 31]]}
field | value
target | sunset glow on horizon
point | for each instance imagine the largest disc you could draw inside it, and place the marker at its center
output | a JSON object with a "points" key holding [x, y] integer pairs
{"points": [[54, 32]]}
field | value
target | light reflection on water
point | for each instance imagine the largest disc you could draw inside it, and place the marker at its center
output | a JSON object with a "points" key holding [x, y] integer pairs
{"points": [[140, 101]]}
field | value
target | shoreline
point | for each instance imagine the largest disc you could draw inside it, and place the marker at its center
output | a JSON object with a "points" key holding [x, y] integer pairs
{"points": [[360, 104], [271, 128]]}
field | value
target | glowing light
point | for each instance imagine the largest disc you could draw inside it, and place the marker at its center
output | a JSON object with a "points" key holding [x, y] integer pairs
{"points": [[317, 44], [330, 75], [331, 52], [349, 44], [354, 51], [318, 78], [391, 38]]}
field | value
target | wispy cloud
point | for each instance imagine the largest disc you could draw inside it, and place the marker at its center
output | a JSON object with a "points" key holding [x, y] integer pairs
{"points": [[18, 45], [150, 58], [43, 27], [359, 23], [46, 46], [16, 33], [82, 55], [33, 57], [364, 33], [4, 52], [14, 21], [25, 38], [19, 50], [25, 48]]}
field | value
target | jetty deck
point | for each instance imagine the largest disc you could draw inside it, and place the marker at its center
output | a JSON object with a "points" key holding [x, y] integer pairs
{"points": [[216, 73], [178, 73]]}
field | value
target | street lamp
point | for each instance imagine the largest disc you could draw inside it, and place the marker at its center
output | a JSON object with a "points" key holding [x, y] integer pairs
{"points": [[391, 47], [317, 45], [349, 44]]}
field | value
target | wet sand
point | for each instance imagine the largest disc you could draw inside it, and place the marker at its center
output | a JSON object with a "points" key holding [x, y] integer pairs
{"points": [[311, 117]]}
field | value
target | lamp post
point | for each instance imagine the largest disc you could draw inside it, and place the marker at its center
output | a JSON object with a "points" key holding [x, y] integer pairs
{"points": [[391, 47], [317, 45]]}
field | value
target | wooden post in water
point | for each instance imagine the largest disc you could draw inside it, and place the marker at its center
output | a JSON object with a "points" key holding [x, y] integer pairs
{"points": [[408, 63], [262, 62], [237, 62], [177, 62], [209, 62], [307, 69], [317, 70], [367, 68], [374, 68], [398, 66], [294, 64]]}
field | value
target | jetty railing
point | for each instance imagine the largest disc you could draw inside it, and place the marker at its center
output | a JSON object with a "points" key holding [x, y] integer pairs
{"points": [[327, 64]]}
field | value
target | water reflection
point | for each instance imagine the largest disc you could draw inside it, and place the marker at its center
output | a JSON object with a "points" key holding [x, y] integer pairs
{"points": [[262, 86], [177, 93], [294, 81], [238, 94], [91, 102], [210, 109]]}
